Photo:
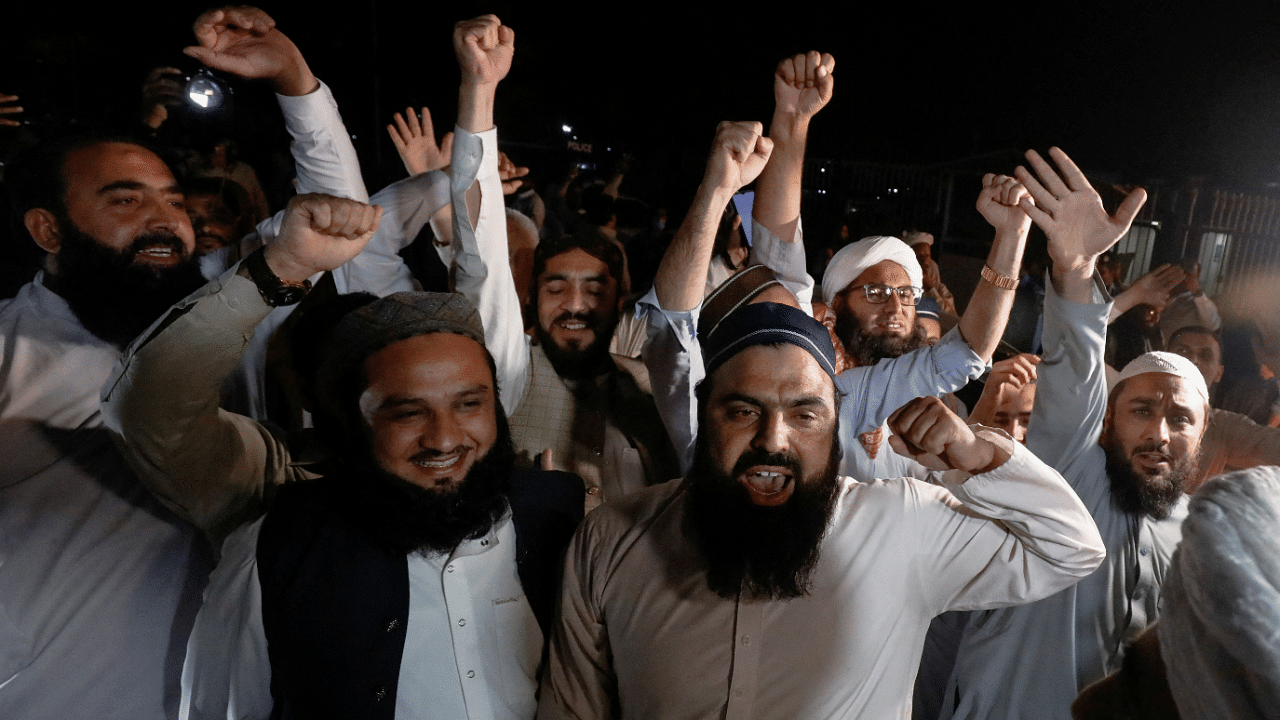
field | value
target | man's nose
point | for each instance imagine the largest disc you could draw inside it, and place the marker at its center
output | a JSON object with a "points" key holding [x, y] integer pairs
{"points": [[771, 434]]}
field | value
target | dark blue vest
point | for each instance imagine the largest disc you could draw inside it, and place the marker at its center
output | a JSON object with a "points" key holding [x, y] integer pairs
{"points": [[335, 605]]}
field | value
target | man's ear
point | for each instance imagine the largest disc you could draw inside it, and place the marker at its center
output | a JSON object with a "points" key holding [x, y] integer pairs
{"points": [[1106, 424], [43, 226]]}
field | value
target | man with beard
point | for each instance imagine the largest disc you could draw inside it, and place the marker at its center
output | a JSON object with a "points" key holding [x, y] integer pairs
{"points": [[108, 216], [765, 585], [562, 390], [1127, 453], [412, 579], [871, 287]]}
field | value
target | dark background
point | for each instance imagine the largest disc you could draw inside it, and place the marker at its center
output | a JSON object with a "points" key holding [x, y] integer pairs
{"points": [[1136, 90]]}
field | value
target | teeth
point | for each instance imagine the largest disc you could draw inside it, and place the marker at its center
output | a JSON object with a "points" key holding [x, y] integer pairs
{"points": [[575, 325], [437, 464], [769, 475], [163, 252]]}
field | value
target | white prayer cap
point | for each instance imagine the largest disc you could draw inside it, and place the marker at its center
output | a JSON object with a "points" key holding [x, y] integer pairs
{"points": [[1166, 362], [915, 237], [1220, 603], [854, 259]]}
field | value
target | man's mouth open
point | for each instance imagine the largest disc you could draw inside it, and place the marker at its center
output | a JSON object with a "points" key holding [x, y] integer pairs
{"points": [[768, 485]]}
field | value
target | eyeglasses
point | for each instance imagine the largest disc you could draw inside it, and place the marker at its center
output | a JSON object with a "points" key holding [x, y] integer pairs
{"points": [[878, 294]]}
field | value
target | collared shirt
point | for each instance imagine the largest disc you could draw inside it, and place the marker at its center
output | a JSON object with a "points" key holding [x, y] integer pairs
{"points": [[472, 647], [1032, 660], [642, 636]]}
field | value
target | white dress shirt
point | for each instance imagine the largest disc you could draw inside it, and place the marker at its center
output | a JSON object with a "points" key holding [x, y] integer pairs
{"points": [[472, 645]]}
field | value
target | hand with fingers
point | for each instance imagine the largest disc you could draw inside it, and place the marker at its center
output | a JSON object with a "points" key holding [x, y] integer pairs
{"points": [[244, 41], [802, 85], [738, 153], [926, 430], [9, 110], [510, 173], [161, 90], [999, 203], [1154, 287], [1007, 379], [319, 233], [415, 141], [1070, 211]]}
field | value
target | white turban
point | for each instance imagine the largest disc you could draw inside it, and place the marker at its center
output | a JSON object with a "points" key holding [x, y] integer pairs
{"points": [[1220, 619], [1166, 362], [854, 259]]}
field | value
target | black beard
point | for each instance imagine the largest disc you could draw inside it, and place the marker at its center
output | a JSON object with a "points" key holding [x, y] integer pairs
{"points": [[405, 518], [761, 552], [588, 362], [866, 349], [112, 296], [1151, 495]]}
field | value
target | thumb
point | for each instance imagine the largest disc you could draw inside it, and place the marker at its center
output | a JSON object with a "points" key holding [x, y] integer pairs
{"points": [[548, 459], [1129, 208], [203, 54]]}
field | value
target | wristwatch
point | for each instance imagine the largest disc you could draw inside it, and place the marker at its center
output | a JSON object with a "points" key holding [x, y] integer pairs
{"points": [[275, 292]]}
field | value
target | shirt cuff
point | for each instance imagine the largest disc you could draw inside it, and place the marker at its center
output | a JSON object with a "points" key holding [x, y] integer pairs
{"points": [[474, 155], [310, 113]]}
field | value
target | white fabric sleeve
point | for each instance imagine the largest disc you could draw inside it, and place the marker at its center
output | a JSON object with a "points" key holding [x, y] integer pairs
{"points": [[407, 206], [483, 272], [873, 393], [227, 673], [1021, 535], [785, 259], [673, 358]]}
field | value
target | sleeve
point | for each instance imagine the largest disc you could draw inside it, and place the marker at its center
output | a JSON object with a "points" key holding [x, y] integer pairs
{"points": [[872, 394], [673, 358], [323, 156], [1241, 442], [210, 466], [1071, 387], [785, 259], [579, 682], [1021, 534], [227, 673], [407, 206], [483, 271]]}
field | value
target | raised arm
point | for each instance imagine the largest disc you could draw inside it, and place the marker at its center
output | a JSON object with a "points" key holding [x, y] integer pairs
{"points": [[739, 153], [244, 41], [212, 467], [984, 319], [484, 48], [1151, 289], [1071, 391]]}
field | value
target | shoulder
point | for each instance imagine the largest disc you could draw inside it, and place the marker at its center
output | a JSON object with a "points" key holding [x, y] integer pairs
{"points": [[621, 521]]}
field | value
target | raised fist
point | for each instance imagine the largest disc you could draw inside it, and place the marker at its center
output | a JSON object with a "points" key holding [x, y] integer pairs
{"points": [[484, 47], [319, 233]]}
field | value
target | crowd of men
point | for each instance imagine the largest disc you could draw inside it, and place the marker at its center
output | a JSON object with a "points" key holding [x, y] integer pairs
{"points": [[256, 471]]}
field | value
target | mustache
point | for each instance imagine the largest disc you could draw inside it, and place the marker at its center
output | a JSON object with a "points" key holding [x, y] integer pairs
{"points": [[1153, 447], [156, 239], [587, 318], [761, 457]]}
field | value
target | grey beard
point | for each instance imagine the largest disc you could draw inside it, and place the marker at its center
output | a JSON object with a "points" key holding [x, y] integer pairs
{"points": [[867, 349]]}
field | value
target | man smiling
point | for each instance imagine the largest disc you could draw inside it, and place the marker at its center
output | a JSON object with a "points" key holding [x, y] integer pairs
{"points": [[784, 590]]}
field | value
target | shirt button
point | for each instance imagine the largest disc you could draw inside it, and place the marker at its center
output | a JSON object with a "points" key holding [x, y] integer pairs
{"points": [[450, 568], [471, 673], [1143, 552], [593, 491], [746, 639], [462, 622], [484, 543], [395, 622], [380, 694]]}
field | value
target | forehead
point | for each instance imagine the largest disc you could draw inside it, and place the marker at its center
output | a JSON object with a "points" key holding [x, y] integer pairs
{"points": [[576, 263], [772, 373], [90, 168], [439, 361], [885, 272], [1021, 403], [1161, 388], [1196, 341]]}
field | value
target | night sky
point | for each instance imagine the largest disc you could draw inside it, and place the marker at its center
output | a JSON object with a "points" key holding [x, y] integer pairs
{"points": [[1136, 90]]}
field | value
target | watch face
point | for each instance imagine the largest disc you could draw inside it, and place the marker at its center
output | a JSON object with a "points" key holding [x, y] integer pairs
{"points": [[286, 295]]}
